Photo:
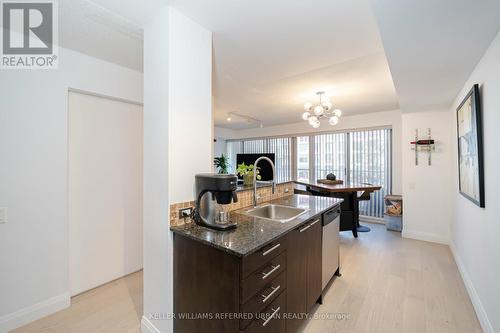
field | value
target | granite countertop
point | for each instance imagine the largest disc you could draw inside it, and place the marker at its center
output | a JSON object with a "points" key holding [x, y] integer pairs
{"points": [[252, 233]]}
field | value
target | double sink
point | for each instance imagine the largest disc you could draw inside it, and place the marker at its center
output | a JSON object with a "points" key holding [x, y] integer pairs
{"points": [[275, 212]]}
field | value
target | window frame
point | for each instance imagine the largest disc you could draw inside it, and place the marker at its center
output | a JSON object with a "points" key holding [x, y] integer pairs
{"points": [[312, 162]]}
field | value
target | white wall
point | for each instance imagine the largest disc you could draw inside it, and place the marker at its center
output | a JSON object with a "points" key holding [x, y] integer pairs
{"points": [[105, 190], [375, 119], [177, 143], [220, 146], [475, 231], [158, 263], [427, 205], [190, 106], [223, 132], [33, 174]]}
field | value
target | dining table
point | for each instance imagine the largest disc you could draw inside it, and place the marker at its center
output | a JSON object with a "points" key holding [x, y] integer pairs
{"points": [[351, 192]]}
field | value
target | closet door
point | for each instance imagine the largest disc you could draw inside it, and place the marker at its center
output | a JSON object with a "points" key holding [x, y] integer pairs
{"points": [[105, 190]]}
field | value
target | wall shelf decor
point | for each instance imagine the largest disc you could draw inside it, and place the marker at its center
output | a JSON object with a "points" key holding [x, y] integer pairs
{"points": [[423, 145]]}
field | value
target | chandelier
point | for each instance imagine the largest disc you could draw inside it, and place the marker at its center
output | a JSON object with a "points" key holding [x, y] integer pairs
{"points": [[313, 113]]}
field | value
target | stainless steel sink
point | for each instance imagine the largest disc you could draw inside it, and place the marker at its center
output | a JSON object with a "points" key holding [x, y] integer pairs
{"points": [[275, 212]]}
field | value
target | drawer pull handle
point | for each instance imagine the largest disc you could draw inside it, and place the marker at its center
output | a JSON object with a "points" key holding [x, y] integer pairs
{"points": [[307, 227], [266, 252], [275, 311], [265, 298], [273, 269]]}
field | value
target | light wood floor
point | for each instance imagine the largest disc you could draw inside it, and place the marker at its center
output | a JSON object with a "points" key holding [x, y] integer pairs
{"points": [[388, 284], [113, 308], [393, 284]]}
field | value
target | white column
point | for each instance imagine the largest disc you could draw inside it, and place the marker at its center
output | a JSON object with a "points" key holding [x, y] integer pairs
{"points": [[177, 143], [157, 241], [190, 105]]}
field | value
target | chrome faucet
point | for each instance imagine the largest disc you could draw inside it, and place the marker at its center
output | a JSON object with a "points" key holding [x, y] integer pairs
{"points": [[255, 177]]}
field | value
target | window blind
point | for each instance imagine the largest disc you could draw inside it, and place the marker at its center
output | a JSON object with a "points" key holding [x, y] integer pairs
{"points": [[281, 147], [303, 158], [233, 148], [330, 155], [254, 146], [356, 156], [370, 163]]}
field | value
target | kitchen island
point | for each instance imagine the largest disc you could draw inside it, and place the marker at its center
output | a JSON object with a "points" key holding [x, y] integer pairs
{"points": [[263, 276]]}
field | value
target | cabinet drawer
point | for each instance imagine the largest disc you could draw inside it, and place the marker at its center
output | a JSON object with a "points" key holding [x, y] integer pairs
{"points": [[271, 319], [259, 258], [263, 297], [257, 280]]}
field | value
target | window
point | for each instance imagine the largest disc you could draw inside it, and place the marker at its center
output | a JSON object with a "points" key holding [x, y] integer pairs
{"points": [[281, 147], [303, 158], [370, 163], [330, 155], [233, 148], [355, 156], [254, 146]]}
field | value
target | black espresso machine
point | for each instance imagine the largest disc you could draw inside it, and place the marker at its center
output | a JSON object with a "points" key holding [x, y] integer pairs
{"points": [[211, 188]]}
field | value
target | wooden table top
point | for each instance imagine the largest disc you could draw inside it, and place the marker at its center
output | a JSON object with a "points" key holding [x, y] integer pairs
{"points": [[346, 187]]}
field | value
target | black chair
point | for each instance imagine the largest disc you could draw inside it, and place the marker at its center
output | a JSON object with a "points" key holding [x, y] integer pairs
{"points": [[347, 222]]}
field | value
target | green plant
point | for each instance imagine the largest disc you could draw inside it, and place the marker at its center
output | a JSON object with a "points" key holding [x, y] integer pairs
{"points": [[222, 164], [247, 170]]}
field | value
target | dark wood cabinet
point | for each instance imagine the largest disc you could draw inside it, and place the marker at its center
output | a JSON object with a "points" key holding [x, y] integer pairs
{"points": [[271, 320], [304, 272], [277, 284], [215, 291], [313, 264], [206, 284], [296, 279], [262, 276]]}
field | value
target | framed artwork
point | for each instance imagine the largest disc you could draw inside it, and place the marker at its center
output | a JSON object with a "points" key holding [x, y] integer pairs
{"points": [[470, 148]]}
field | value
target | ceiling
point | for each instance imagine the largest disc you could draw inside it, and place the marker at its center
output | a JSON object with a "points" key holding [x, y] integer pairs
{"points": [[272, 56], [356, 86], [106, 29], [433, 46]]}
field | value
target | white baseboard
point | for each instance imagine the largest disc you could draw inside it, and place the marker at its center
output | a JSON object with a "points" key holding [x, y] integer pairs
{"points": [[369, 219], [474, 297], [425, 236], [33, 312], [147, 326]]}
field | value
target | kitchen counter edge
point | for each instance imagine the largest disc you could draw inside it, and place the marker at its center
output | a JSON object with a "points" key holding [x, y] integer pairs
{"points": [[261, 231]]}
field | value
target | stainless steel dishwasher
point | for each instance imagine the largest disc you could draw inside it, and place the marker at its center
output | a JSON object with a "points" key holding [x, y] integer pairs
{"points": [[331, 244]]}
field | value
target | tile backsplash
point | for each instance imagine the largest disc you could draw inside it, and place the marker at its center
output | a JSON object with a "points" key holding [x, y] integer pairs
{"points": [[245, 199]]}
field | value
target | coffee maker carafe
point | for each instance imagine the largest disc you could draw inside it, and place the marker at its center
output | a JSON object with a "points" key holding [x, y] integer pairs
{"points": [[211, 188]]}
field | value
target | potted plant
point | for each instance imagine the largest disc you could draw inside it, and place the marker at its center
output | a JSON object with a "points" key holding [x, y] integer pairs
{"points": [[222, 164], [246, 171]]}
